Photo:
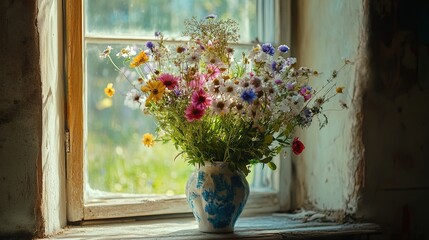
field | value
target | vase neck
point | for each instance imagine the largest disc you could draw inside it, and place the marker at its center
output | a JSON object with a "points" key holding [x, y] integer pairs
{"points": [[213, 164]]}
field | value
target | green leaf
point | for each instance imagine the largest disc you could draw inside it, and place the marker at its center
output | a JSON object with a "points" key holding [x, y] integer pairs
{"points": [[267, 160], [272, 166], [276, 127], [268, 139]]}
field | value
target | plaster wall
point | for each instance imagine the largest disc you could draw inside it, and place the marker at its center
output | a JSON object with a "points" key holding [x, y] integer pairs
{"points": [[31, 119], [49, 22], [324, 33], [20, 117]]}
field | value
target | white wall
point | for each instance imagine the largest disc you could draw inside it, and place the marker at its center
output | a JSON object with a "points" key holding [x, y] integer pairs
{"points": [[324, 33], [49, 22]]}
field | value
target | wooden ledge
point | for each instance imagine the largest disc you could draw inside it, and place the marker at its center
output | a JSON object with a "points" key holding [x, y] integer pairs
{"points": [[257, 227]]}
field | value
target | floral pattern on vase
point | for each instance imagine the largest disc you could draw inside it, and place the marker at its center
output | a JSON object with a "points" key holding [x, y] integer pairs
{"points": [[217, 196]]}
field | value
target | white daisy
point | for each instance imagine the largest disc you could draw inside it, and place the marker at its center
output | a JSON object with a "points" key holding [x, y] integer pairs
{"points": [[126, 52], [296, 104], [220, 106], [229, 88], [106, 52], [135, 100]]}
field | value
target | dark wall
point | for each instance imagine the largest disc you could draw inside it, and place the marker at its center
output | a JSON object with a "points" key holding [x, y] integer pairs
{"points": [[20, 116], [396, 120]]}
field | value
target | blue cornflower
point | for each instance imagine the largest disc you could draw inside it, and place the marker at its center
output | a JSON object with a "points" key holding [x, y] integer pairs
{"points": [[307, 113], [274, 66], [177, 92], [306, 117], [248, 95], [150, 45], [283, 48], [268, 49], [277, 67]]}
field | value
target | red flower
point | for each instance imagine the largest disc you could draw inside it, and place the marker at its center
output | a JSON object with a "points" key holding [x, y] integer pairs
{"points": [[169, 80], [193, 113], [297, 146], [201, 99]]}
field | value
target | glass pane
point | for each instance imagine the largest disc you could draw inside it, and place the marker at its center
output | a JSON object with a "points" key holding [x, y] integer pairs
{"points": [[117, 161], [141, 18]]}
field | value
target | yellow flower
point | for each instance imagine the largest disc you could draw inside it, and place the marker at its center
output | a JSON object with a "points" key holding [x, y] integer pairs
{"points": [[109, 90], [156, 88], [139, 59], [147, 140], [339, 89]]}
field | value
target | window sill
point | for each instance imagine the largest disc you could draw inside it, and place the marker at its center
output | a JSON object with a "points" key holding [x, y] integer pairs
{"points": [[256, 227]]}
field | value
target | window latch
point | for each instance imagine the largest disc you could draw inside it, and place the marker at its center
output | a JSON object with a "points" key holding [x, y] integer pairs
{"points": [[67, 136]]}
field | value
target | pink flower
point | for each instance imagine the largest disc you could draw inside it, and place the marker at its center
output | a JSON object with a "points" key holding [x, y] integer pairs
{"points": [[306, 92], [193, 113], [198, 81], [169, 80], [212, 71], [201, 99], [297, 146]]}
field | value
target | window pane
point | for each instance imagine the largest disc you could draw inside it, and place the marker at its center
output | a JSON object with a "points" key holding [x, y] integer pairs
{"points": [[116, 159], [141, 18]]}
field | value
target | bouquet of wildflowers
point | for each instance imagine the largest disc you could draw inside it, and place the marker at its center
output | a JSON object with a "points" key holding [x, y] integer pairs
{"points": [[217, 108]]}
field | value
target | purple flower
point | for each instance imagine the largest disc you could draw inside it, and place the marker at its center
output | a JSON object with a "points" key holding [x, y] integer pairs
{"points": [[283, 48], [268, 49], [177, 92], [306, 117], [248, 95], [306, 92], [307, 113], [150, 45], [274, 66], [290, 85], [157, 34], [277, 67], [278, 81], [290, 61]]}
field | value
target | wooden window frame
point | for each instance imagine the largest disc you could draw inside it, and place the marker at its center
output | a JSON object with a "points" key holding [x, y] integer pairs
{"points": [[132, 206]]}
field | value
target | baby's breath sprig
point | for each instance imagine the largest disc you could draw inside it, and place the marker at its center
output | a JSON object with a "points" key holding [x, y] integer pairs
{"points": [[213, 33]]}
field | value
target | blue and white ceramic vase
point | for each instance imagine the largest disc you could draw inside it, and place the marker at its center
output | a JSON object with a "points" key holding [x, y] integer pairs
{"points": [[217, 196]]}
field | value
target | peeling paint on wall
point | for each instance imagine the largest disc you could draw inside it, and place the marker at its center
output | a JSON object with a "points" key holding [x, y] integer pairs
{"points": [[327, 173]]}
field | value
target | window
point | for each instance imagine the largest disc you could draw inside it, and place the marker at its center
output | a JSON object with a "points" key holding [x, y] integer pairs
{"points": [[91, 26]]}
